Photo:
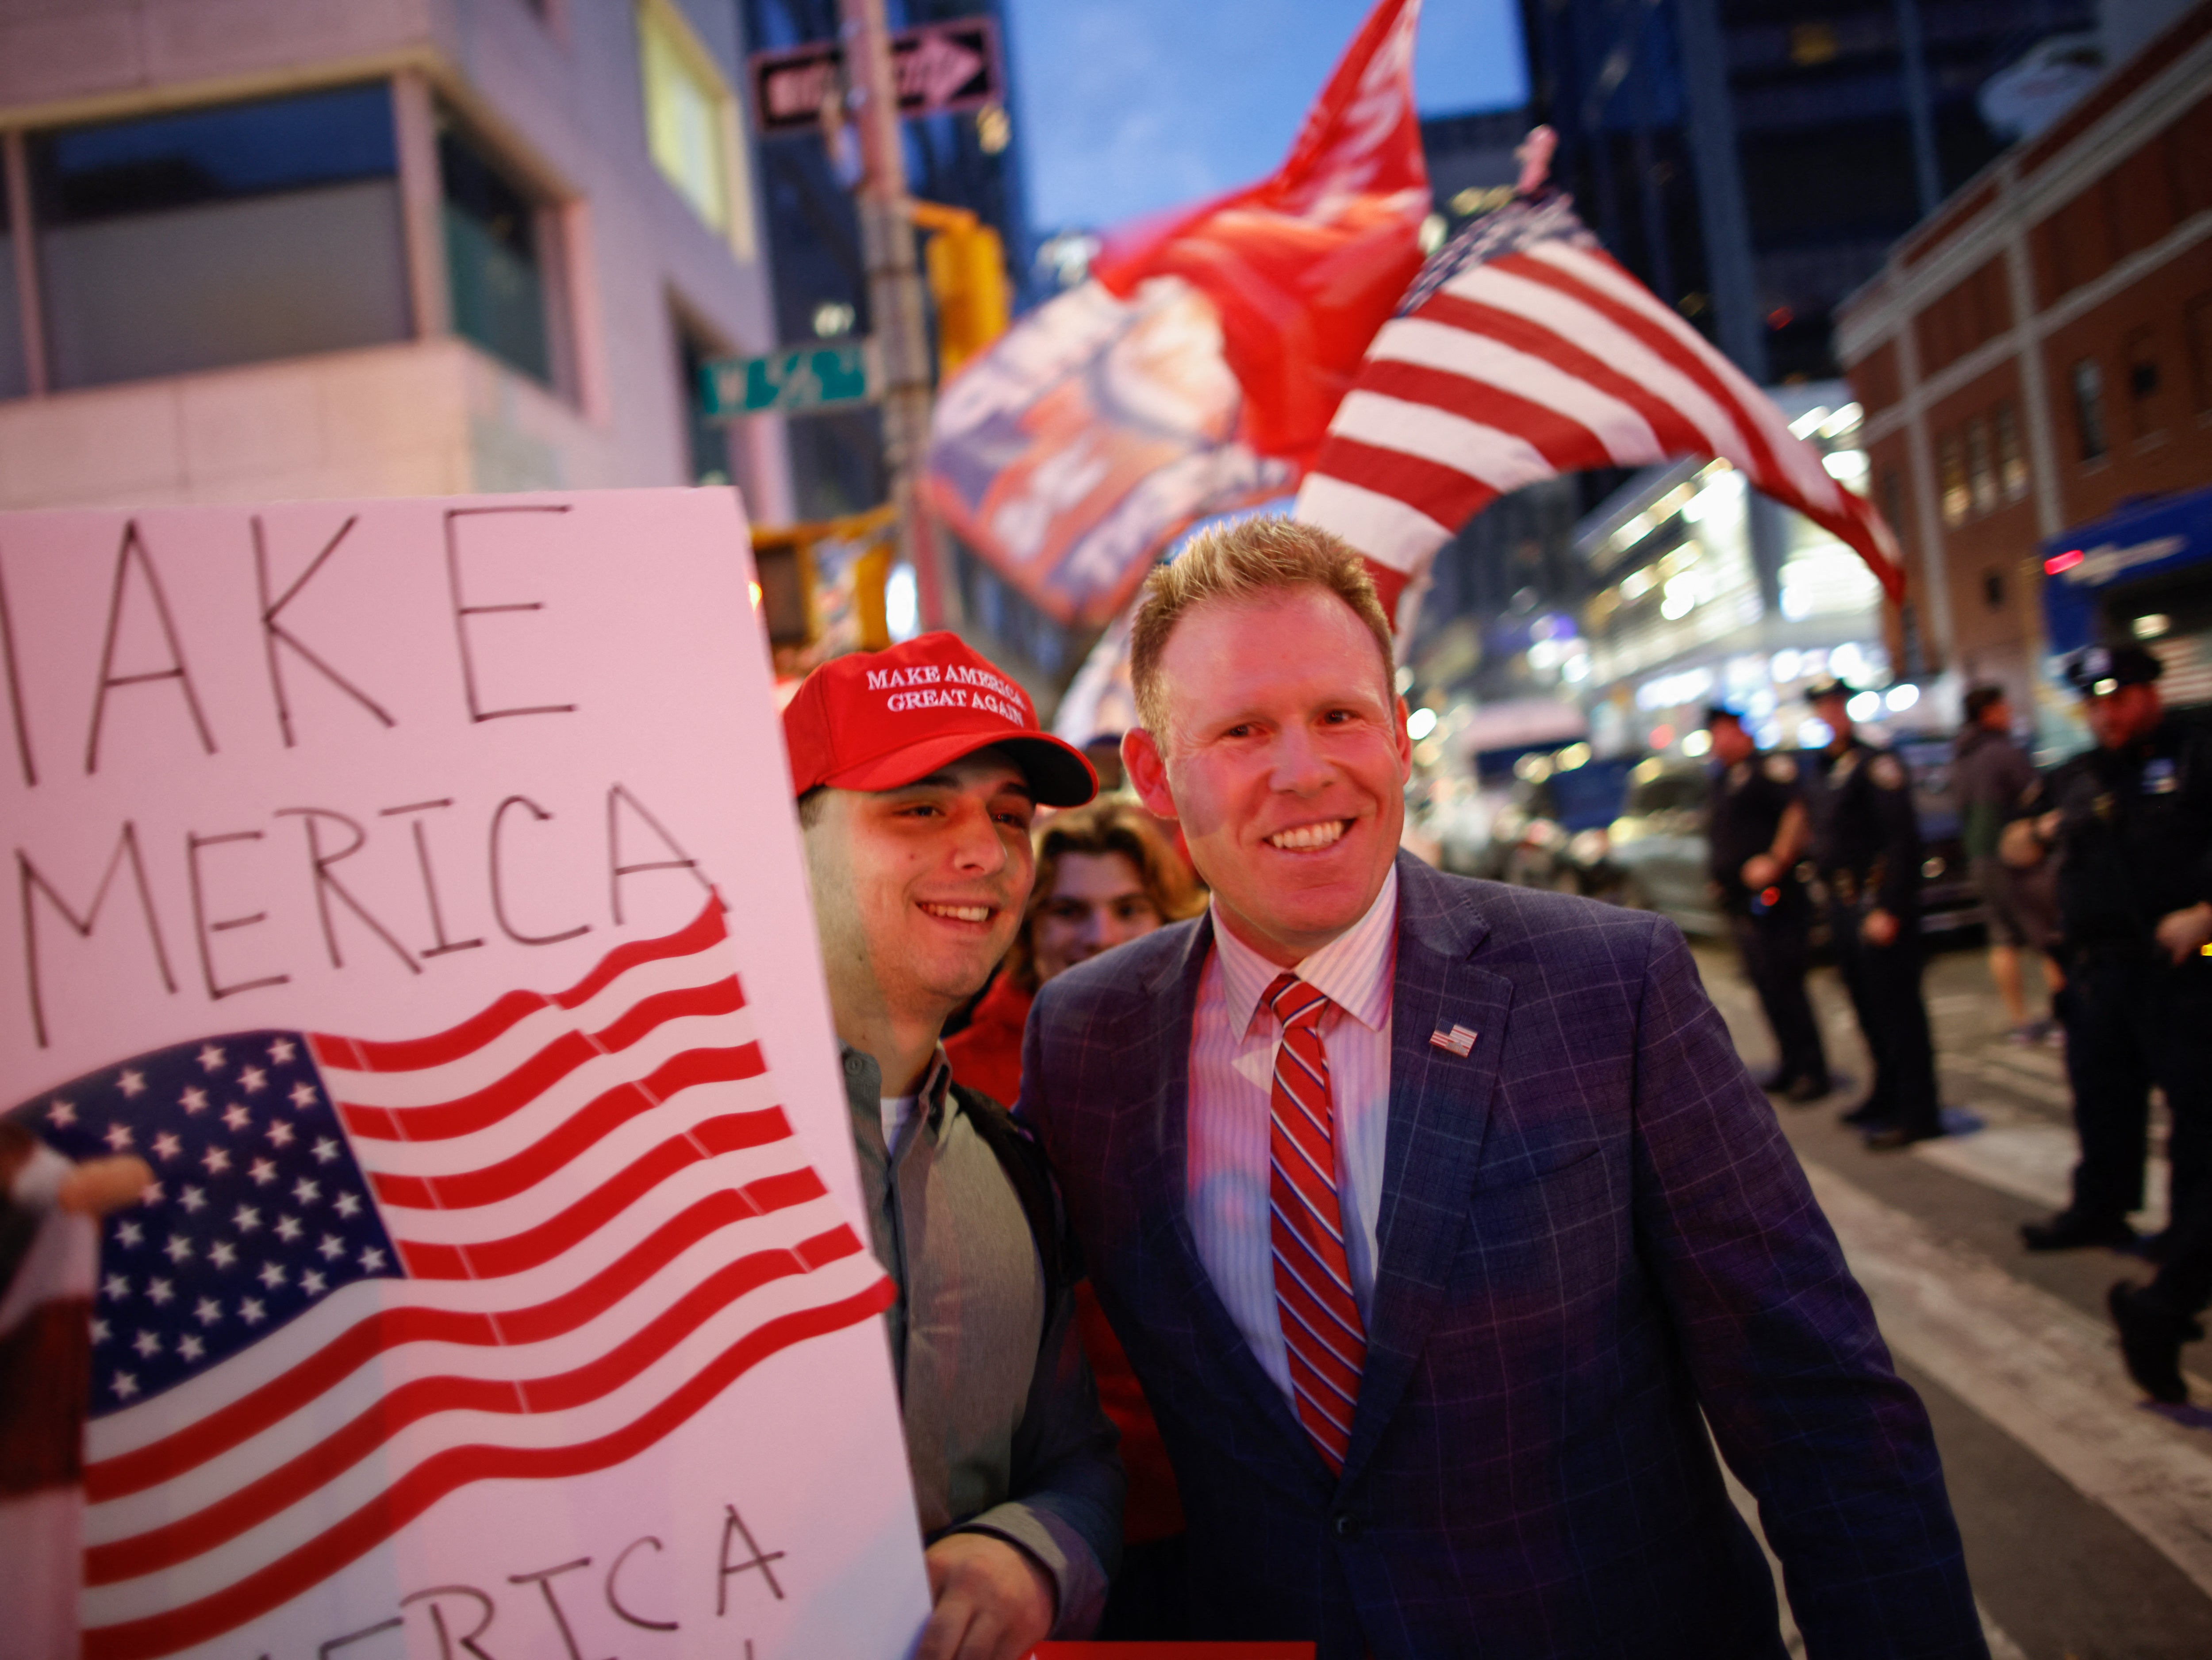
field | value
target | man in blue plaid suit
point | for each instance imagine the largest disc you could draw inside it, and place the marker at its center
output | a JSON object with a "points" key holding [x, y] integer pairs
{"points": [[1435, 1316]]}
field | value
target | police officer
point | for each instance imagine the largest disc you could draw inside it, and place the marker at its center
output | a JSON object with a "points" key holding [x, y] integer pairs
{"points": [[1866, 843], [2131, 820], [1756, 830]]}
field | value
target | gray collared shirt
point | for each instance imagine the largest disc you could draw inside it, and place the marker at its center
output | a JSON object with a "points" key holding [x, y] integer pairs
{"points": [[1003, 1430]]}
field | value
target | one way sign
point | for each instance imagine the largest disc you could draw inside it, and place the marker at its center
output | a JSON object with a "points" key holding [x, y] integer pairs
{"points": [[941, 67]]}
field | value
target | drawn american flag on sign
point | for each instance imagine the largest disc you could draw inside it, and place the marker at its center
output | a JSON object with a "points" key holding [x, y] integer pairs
{"points": [[368, 1274], [1524, 351]]}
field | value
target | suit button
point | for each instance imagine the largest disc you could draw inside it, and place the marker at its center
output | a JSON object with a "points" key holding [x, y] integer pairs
{"points": [[1349, 1526]]}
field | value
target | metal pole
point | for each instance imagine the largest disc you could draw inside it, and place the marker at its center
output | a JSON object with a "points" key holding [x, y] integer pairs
{"points": [[887, 252], [1727, 223], [1919, 108]]}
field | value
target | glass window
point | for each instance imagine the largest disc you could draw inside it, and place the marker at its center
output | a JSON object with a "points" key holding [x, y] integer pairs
{"points": [[493, 257], [1951, 463], [2012, 458], [2199, 320], [1981, 465], [2088, 385], [15, 373], [686, 104], [707, 446], [2142, 350], [220, 236]]}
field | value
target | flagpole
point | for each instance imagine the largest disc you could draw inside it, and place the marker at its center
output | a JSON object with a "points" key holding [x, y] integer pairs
{"points": [[901, 338]]}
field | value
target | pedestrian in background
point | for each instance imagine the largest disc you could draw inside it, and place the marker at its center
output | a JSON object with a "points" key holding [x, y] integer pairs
{"points": [[2131, 820], [1996, 784], [1105, 877], [1866, 843], [1756, 830]]}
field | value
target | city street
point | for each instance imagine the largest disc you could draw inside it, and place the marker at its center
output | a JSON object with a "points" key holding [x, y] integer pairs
{"points": [[2086, 1513]]}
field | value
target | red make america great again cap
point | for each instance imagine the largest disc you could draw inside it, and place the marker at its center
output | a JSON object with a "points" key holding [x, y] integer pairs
{"points": [[876, 720]]}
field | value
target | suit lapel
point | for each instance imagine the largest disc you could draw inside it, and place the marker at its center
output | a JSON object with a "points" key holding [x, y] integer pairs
{"points": [[1162, 1181], [1439, 1110]]}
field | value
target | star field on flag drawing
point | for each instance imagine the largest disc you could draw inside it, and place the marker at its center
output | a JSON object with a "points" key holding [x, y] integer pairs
{"points": [[256, 1211]]}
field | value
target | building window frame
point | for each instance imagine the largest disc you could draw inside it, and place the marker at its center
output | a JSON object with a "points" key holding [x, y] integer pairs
{"points": [[1981, 465], [504, 185], [2138, 349], [2085, 382], [692, 123], [1955, 495], [89, 192], [2012, 451]]}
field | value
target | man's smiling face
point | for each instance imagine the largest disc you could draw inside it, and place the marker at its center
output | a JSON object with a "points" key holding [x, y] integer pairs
{"points": [[1284, 757], [918, 890]]}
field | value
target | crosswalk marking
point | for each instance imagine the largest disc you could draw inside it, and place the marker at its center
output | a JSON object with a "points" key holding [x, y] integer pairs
{"points": [[2032, 1364], [2033, 1161]]}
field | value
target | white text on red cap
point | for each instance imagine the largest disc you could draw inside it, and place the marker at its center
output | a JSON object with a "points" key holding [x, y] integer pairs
{"points": [[930, 676]]}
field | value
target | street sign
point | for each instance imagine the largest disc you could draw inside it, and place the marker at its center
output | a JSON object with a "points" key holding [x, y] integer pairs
{"points": [[800, 379], [942, 68]]}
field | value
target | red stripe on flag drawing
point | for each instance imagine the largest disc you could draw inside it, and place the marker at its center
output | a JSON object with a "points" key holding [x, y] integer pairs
{"points": [[496, 1101], [705, 932], [391, 1329], [620, 1281], [370, 1526], [420, 1398], [593, 1123]]}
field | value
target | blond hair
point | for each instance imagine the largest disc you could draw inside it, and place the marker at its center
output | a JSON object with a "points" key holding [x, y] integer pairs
{"points": [[1243, 562]]}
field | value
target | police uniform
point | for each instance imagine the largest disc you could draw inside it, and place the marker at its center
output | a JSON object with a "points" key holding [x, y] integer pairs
{"points": [[1866, 845], [2134, 840], [1772, 927]]}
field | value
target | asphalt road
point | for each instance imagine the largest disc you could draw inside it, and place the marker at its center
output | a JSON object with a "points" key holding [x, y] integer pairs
{"points": [[2087, 1512]]}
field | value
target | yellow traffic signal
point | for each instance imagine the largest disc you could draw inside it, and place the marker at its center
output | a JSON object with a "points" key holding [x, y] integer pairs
{"points": [[967, 269]]}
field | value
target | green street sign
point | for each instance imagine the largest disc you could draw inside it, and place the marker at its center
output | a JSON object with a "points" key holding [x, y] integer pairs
{"points": [[804, 377]]}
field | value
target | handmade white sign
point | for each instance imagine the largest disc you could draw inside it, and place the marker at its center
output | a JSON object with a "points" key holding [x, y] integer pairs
{"points": [[414, 885]]}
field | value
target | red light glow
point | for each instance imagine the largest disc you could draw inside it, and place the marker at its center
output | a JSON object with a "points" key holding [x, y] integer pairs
{"points": [[2066, 561], [1661, 736]]}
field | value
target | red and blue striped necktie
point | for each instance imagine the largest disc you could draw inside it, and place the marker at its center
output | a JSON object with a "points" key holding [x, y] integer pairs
{"points": [[1322, 1331]]}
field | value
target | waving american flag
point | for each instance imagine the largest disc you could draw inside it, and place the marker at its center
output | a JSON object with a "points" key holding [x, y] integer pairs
{"points": [[1524, 351], [370, 1273]]}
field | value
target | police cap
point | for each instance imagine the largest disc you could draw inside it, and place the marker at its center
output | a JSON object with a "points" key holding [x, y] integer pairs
{"points": [[2097, 669], [1821, 690]]}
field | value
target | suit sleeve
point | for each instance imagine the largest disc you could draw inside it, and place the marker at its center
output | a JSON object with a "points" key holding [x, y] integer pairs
{"points": [[1794, 1378]]}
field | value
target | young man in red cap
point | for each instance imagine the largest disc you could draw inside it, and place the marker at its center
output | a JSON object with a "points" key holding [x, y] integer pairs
{"points": [[917, 771]]}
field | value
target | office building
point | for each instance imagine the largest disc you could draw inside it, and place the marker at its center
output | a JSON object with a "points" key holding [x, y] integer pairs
{"points": [[1753, 160], [266, 248], [2038, 353]]}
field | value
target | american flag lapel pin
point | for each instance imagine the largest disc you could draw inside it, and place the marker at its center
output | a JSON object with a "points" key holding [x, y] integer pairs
{"points": [[1460, 1040]]}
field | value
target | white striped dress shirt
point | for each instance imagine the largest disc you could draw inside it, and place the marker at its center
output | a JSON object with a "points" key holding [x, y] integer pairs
{"points": [[1232, 1070]]}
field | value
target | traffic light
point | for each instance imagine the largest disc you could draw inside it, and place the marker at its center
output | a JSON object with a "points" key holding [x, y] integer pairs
{"points": [[783, 568], [966, 264]]}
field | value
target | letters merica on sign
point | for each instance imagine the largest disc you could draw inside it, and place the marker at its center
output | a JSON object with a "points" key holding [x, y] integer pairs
{"points": [[803, 378], [941, 67]]}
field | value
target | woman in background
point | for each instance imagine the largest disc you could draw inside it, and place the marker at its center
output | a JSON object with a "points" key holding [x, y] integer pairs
{"points": [[1104, 876]]}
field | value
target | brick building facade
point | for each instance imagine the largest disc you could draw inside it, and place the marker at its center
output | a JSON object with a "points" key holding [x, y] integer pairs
{"points": [[2040, 350]]}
